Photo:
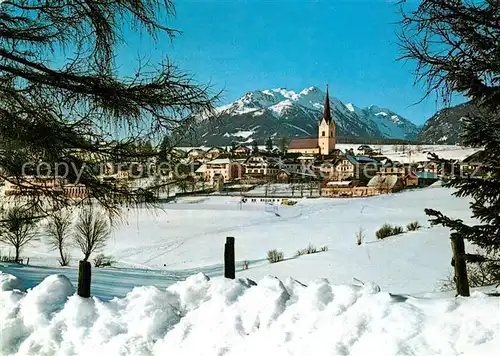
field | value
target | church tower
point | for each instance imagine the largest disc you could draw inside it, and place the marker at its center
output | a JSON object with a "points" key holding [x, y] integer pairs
{"points": [[326, 129]]}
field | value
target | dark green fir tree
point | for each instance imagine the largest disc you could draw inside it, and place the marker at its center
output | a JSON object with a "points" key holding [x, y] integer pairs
{"points": [[456, 49]]}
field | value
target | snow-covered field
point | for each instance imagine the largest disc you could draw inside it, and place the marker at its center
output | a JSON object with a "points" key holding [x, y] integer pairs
{"points": [[417, 153], [188, 236], [203, 316]]}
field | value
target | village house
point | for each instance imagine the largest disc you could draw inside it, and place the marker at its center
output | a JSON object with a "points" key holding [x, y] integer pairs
{"points": [[324, 142], [33, 185], [214, 152], [426, 178], [428, 166], [405, 173], [259, 166], [196, 153], [75, 191], [200, 171], [241, 150], [290, 165], [365, 150], [386, 183], [337, 189], [222, 169], [346, 167], [473, 164]]}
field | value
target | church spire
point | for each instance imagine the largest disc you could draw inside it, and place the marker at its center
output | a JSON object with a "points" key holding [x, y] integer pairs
{"points": [[327, 115]]}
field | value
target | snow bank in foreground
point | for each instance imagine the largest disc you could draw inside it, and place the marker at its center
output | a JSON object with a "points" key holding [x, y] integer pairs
{"points": [[221, 317]]}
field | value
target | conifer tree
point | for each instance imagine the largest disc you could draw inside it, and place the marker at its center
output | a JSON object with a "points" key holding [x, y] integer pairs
{"points": [[269, 144], [456, 47], [255, 148]]}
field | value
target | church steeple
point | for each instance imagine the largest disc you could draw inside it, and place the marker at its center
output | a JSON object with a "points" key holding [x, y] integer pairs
{"points": [[326, 129], [327, 115]]}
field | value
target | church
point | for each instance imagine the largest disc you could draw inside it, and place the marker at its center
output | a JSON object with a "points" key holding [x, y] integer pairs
{"points": [[324, 143]]}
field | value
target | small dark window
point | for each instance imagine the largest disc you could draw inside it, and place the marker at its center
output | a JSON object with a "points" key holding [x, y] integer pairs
{"points": [[323, 133]]}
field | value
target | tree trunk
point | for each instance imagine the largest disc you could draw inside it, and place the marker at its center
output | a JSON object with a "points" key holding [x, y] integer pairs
{"points": [[84, 279], [461, 280], [17, 253], [63, 258], [229, 262]]}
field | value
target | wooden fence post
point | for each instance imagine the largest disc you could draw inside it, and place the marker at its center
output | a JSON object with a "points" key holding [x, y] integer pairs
{"points": [[229, 263], [460, 265], [84, 278]]}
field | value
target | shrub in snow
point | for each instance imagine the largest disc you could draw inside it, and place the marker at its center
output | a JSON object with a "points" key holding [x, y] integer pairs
{"points": [[396, 230], [413, 226], [360, 236], [387, 230], [274, 256], [384, 231], [310, 249], [102, 260], [307, 251]]}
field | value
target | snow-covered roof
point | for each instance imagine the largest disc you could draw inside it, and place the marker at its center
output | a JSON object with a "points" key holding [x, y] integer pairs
{"points": [[361, 160], [388, 181], [196, 150], [201, 169], [426, 175], [339, 183], [220, 161]]}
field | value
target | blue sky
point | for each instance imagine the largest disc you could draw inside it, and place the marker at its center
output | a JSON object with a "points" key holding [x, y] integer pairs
{"points": [[241, 45]]}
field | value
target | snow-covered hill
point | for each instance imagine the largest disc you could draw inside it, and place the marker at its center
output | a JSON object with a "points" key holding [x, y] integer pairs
{"points": [[280, 113]]}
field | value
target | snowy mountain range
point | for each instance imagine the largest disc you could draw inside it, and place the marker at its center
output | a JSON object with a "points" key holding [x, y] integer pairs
{"points": [[278, 113]]}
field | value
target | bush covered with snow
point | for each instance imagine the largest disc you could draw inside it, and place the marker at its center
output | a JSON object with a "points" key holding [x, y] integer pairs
{"points": [[274, 256], [306, 251], [200, 316], [310, 249], [101, 260]]}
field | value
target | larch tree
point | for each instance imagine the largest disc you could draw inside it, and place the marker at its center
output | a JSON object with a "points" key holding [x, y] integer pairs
{"points": [[58, 231], [66, 102], [456, 46], [92, 231]]}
